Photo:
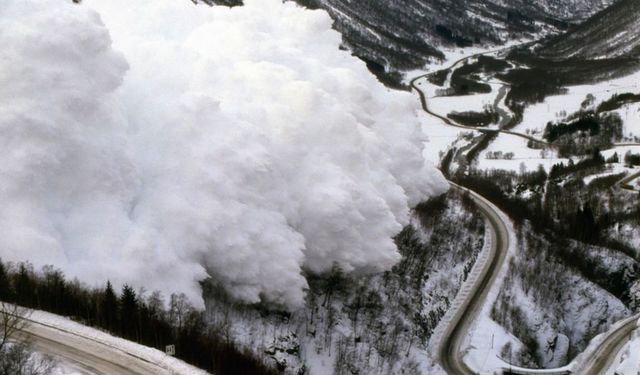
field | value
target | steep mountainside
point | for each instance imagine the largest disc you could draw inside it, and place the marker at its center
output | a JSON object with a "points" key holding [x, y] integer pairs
{"points": [[393, 36], [375, 325], [611, 33], [403, 35]]}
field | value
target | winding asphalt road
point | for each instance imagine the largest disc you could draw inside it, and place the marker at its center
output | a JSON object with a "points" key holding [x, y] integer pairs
{"points": [[449, 353], [601, 359], [624, 183], [84, 355], [423, 101], [87, 356], [596, 361]]}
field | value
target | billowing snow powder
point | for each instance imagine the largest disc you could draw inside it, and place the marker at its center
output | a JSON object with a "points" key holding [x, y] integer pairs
{"points": [[157, 143]]}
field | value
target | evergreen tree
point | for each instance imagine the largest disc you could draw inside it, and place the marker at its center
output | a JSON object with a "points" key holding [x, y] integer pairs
{"points": [[6, 294], [25, 286], [109, 315], [129, 313], [52, 291]]}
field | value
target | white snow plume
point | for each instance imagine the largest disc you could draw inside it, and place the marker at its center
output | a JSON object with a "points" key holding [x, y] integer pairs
{"points": [[240, 144]]}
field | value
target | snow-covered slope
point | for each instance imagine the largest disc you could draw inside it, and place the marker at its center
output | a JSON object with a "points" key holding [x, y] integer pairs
{"points": [[160, 143], [612, 33], [404, 35], [375, 325], [552, 309]]}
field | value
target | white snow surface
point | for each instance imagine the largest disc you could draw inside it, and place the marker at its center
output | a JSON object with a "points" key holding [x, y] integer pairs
{"points": [[524, 157], [445, 105], [157, 143], [556, 107]]}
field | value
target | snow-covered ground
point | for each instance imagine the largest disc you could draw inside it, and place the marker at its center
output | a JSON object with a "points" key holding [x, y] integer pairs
{"points": [[447, 104], [554, 305], [378, 324], [452, 55], [630, 115], [441, 137], [557, 107], [536, 116], [524, 157], [621, 151]]}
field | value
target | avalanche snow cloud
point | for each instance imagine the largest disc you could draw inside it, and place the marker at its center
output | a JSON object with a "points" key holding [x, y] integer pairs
{"points": [[158, 143]]}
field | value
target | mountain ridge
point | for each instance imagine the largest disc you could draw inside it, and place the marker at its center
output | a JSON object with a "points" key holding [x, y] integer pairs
{"points": [[611, 33], [394, 37]]}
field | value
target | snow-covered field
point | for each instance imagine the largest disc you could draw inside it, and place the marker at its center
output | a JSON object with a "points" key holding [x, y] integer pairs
{"points": [[477, 103], [536, 116], [613, 169], [557, 107], [630, 114], [441, 137], [524, 157]]}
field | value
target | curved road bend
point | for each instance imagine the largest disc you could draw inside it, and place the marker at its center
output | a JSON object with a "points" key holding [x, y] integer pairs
{"points": [[597, 360], [423, 101], [84, 355], [602, 358], [449, 354], [624, 183], [450, 357]]}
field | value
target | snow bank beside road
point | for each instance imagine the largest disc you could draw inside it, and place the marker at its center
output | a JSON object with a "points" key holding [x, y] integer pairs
{"points": [[144, 353], [629, 360]]}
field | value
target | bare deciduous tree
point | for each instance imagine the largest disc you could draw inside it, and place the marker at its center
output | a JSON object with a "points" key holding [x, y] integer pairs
{"points": [[16, 354], [12, 322]]}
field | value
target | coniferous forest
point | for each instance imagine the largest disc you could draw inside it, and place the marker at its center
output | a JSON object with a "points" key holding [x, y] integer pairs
{"points": [[147, 320]]}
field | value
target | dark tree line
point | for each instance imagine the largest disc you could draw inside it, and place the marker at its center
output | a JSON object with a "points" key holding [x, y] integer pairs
{"points": [[438, 78], [631, 159], [560, 169], [464, 83], [466, 79], [617, 101], [616, 282], [145, 320], [452, 37], [554, 131], [472, 118], [560, 207], [530, 85], [585, 132]]}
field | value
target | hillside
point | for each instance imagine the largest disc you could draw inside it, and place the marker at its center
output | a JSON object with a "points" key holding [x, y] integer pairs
{"points": [[611, 33], [403, 35], [394, 36]]}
